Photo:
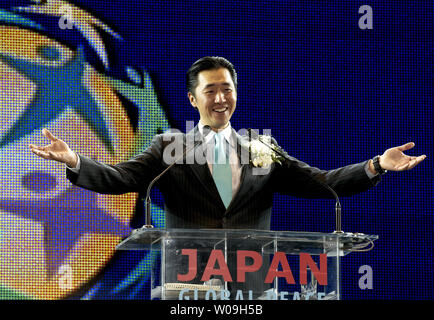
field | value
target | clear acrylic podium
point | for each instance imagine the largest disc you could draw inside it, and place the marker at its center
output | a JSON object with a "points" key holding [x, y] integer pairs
{"points": [[240, 264]]}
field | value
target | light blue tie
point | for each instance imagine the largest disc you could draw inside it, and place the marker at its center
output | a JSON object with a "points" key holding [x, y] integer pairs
{"points": [[221, 170]]}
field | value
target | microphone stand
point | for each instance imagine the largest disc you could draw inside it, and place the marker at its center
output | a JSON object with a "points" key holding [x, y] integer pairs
{"points": [[148, 221], [338, 212]]}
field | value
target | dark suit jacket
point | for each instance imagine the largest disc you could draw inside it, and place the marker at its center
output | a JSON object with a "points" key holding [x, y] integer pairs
{"points": [[191, 196]]}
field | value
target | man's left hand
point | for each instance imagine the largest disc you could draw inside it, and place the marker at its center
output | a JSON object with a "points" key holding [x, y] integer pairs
{"points": [[394, 159]]}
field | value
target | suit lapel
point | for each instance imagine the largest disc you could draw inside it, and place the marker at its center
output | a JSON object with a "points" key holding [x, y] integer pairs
{"points": [[246, 177], [201, 171], [204, 176]]}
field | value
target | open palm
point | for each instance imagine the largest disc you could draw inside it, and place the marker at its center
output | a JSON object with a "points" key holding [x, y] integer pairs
{"points": [[57, 150], [394, 159]]}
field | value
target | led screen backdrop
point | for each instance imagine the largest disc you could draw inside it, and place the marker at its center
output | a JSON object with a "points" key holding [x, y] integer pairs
{"points": [[333, 86]]}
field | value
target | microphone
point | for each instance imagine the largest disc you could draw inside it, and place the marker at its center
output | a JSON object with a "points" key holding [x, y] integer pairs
{"points": [[148, 222], [284, 155]]}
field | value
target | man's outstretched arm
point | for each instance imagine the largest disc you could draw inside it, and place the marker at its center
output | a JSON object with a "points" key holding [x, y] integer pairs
{"points": [[128, 176], [299, 179]]}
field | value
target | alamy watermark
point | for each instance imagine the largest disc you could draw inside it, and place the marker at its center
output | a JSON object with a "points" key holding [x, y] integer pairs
{"points": [[365, 281], [65, 277], [196, 148], [66, 20], [366, 20]]}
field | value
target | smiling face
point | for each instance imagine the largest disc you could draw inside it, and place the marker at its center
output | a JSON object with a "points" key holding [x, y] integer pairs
{"points": [[215, 97]]}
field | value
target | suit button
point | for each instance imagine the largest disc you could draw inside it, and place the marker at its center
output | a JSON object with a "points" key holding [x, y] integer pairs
{"points": [[224, 221]]}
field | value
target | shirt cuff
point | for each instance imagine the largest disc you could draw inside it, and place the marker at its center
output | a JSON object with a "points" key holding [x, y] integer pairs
{"points": [[77, 167], [368, 172]]}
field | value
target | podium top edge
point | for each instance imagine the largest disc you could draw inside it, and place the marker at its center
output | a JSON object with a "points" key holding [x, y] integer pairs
{"points": [[247, 232], [153, 235]]}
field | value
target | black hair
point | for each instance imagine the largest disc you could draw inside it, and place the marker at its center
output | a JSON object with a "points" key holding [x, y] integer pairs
{"points": [[208, 63]]}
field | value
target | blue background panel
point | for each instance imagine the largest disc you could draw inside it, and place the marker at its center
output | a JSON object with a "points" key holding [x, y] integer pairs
{"points": [[331, 93]]}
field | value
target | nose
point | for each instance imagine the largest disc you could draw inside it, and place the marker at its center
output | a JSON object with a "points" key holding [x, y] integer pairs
{"points": [[220, 97]]}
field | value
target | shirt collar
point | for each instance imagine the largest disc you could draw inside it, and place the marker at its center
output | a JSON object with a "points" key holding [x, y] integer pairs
{"points": [[226, 132]]}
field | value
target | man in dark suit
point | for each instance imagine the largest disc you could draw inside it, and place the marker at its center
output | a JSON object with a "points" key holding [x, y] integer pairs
{"points": [[229, 194], [216, 185]]}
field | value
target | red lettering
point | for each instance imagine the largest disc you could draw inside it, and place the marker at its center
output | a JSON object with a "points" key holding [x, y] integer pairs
{"points": [[192, 265], [216, 256], [242, 268], [279, 257], [320, 274]]}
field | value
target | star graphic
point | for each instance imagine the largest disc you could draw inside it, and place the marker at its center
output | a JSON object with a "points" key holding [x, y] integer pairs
{"points": [[57, 89], [65, 219]]}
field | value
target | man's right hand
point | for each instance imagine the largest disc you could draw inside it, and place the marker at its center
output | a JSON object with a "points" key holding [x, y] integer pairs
{"points": [[57, 150]]}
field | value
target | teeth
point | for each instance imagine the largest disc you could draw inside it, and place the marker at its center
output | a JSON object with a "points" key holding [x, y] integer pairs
{"points": [[220, 110]]}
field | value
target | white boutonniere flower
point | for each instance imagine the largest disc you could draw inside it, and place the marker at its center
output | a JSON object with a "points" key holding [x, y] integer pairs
{"points": [[261, 155]]}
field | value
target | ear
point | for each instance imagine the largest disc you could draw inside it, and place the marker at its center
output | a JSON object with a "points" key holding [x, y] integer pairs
{"points": [[192, 100]]}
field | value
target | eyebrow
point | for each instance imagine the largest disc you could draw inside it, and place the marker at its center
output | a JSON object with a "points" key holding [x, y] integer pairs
{"points": [[213, 84]]}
